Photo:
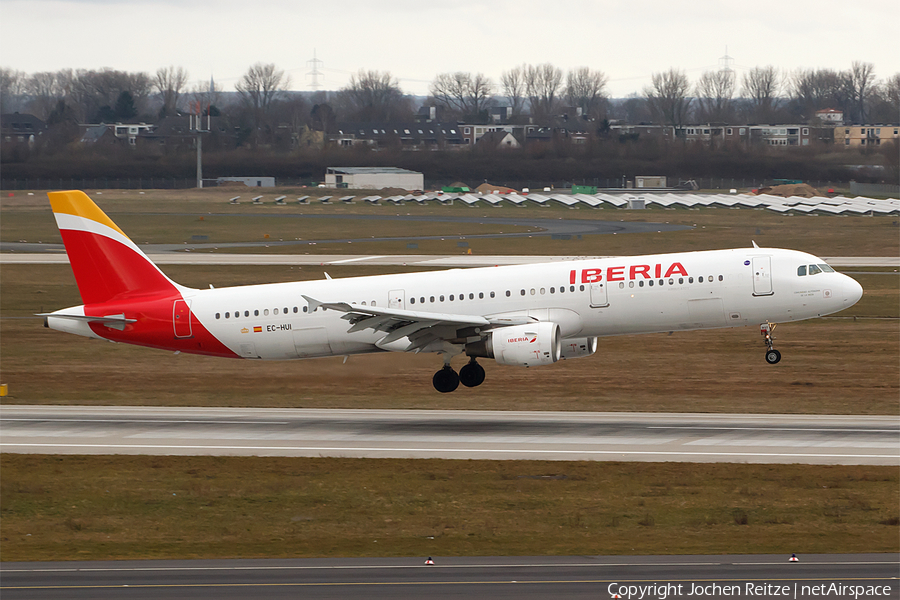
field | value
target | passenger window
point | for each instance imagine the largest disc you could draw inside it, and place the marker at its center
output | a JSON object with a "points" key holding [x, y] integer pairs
{"points": [[226, 315], [662, 282], [680, 280], [690, 280], [266, 312], [255, 313], [441, 298], [480, 295], [641, 283], [671, 282], [431, 299], [284, 311], [581, 286], [621, 285], [305, 308], [412, 300], [363, 302], [631, 284], [246, 313], [721, 278], [451, 297], [801, 270], [422, 300], [523, 292], [472, 296], [237, 314], [562, 289], [814, 270], [218, 315], [276, 310], [700, 279], [372, 303], [650, 283], [295, 310], [710, 278], [553, 290], [507, 293]]}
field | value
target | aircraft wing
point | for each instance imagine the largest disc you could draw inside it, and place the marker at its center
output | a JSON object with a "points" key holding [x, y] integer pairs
{"points": [[421, 327]]}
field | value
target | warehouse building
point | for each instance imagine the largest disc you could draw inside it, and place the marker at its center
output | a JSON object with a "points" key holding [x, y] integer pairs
{"points": [[373, 178]]}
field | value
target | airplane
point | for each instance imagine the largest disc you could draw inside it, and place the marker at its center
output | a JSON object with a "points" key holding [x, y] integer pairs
{"points": [[522, 315]]}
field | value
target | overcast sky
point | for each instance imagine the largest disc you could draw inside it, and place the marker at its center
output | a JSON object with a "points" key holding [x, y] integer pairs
{"points": [[417, 39]]}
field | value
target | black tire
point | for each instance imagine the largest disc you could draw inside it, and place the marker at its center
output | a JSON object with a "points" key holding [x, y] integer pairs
{"points": [[471, 375], [773, 356], [446, 380]]}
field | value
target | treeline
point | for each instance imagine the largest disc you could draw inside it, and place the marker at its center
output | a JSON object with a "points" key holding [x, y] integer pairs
{"points": [[535, 166], [261, 98]]}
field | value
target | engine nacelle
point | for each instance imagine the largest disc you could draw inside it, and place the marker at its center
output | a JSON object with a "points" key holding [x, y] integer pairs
{"points": [[578, 347], [520, 346]]}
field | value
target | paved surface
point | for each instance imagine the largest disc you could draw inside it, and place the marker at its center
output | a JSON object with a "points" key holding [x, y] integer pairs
{"points": [[58, 256], [469, 577], [809, 439]]}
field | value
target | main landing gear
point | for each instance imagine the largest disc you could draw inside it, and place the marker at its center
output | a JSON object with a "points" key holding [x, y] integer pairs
{"points": [[773, 356], [446, 380]]}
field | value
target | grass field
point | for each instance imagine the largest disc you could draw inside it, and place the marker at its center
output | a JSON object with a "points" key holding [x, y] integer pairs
{"points": [[91, 508], [174, 216]]}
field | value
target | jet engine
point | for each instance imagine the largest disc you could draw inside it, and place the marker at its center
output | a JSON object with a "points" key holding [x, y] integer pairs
{"points": [[528, 345], [578, 347]]}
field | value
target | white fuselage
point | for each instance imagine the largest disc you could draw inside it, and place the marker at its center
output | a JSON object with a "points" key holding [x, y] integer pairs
{"points": [[598, 297]]}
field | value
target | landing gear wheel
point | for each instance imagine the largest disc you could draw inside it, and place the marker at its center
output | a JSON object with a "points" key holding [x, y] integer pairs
{"points": [[773, 356], [445, 380], [472, 374]]}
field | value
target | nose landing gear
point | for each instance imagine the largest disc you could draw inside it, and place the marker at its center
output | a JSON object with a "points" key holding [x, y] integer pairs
{"points": [[773, 356]]}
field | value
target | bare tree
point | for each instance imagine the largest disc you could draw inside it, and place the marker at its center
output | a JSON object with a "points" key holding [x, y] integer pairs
{"points": [[714, 92], [12, 85], [542, 86], [892, 92], [859, 82], [259, 87], [761, 86], [466, 94], [586, 89], [816, 89], [170, 82], [668, 96], [513, 84], [374, 96], [45, 93]]}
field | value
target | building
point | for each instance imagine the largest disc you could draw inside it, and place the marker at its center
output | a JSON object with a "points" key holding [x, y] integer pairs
{"points": [[406, 136], [18, 128], [498, 139], [830, 116], [864, 136], [373, 178]]}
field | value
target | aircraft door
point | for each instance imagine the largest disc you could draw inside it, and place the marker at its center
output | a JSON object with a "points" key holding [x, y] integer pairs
{"points": [[762, 276], [181, 319], [397, 299], [599, 297]]}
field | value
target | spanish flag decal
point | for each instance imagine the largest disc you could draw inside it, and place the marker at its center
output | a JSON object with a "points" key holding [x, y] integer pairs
{"points": [[257, 329]]}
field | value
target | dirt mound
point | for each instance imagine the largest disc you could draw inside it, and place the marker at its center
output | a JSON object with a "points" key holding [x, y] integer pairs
{"points": [[794, 189], [486, 188]]}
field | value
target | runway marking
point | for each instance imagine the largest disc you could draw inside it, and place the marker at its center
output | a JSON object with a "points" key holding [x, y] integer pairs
{"points": [[434, 567], [771, 428], [350, 260], [413, 583], [41, 419], [447, 450]]}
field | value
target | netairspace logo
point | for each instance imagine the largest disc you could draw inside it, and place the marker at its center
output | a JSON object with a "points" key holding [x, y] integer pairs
{"points": [[661, 591]]}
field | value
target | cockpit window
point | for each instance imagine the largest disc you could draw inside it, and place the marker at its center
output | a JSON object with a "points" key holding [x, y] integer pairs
{"points": [[801, 270], [814, 270], [826, 268]]}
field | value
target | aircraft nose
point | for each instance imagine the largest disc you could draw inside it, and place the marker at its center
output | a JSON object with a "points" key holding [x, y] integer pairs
{"points": [[852, 291]]}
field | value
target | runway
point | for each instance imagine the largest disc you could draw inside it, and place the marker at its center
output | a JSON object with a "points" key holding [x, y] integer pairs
{"points": [[470, 577], [495, 435]]}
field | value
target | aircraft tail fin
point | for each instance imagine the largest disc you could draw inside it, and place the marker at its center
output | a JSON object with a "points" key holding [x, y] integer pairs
{"points": [[107, 264]]}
